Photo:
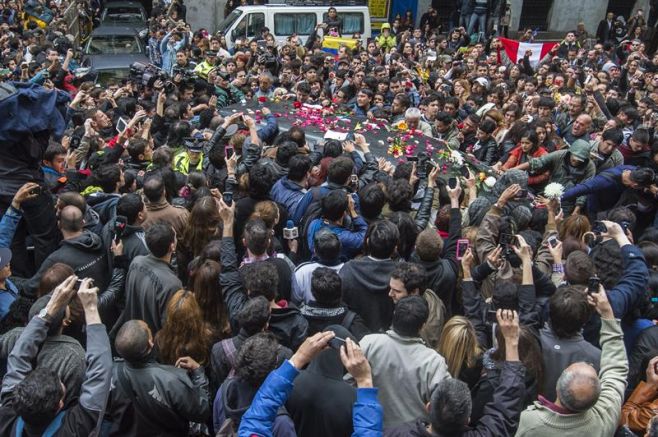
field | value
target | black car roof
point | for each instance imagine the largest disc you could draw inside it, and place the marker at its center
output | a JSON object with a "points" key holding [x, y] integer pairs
{"points": [[106, 30], [123, 4]]}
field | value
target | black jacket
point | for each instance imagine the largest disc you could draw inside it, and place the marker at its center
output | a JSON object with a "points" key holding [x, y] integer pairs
{"points": [[133, 240], [365, 284], [442, 273], [286, 323], [86, 256], [156, 399], [321, 402], [501, 415]]}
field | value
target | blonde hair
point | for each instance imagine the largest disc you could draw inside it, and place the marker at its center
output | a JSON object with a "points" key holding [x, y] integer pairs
{"points": [[267, 211], [459, 345]]}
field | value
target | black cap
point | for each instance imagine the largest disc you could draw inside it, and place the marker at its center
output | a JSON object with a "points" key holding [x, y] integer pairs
{"points": [[193, 144], [224, 75], [211, 53]]}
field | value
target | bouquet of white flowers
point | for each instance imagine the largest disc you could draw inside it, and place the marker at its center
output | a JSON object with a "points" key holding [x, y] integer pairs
{"points": [[554, 190]]}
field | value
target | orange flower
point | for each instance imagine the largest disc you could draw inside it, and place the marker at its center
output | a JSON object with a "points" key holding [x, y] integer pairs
{"points": [[482, 176], [403, 125]]}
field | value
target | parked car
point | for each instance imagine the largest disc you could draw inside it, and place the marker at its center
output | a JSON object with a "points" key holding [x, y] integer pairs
{"points": [[111, 50]]}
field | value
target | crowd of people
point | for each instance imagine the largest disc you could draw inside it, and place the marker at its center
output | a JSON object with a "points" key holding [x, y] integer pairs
{"points": [[168, 270]]}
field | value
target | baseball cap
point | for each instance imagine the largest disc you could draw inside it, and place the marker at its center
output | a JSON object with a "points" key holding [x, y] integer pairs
{"points": [[5, 257]]}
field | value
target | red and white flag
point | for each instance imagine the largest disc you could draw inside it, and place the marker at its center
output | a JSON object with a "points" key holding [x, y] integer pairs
{"points": [[516, 50]]}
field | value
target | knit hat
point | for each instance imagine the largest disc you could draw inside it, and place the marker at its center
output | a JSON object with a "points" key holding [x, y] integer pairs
{"points": [[477, 210], [521, 216], [607, 66], [579, 149]]}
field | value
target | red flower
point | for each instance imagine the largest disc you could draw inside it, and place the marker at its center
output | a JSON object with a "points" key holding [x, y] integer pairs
{"points": [[297, 105], [262, 99]]}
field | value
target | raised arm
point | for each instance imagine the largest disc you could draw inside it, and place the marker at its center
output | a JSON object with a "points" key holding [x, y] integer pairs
{"points": [[96, 385], [273, 393], [21, 357]]}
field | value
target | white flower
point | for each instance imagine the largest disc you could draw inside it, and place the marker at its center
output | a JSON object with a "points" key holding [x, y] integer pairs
{"points": [[456, 158], [490, 181], [554, 190]]}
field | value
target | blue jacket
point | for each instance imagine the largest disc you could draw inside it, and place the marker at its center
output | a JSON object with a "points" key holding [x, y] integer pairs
{"points": [[367, 414], [287, 193], [624, 296], [351, 241], [603, 190], [8, 226], [169, 53]]}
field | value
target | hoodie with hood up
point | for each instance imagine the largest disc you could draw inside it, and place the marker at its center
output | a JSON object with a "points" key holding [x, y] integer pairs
{"points": [[365, 283]]}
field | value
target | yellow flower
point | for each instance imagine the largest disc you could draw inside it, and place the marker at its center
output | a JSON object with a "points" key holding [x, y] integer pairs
{"points": [[482, 176], [403, 125]]}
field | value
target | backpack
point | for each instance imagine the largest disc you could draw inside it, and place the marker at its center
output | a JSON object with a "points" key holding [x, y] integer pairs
{"points": [[313, 211], [229, 427]]}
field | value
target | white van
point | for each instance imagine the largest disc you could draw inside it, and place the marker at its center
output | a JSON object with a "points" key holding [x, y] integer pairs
{"points": [[284, 20]]}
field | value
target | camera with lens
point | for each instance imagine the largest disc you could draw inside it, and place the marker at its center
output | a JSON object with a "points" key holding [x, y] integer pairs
{"points": [[186, 75]]}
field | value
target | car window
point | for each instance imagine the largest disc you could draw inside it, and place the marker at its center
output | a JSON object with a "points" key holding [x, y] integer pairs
{"points": [[350, 22], [124, 15], [256, 23], [228, 21], [289, 23], [113, 45]]}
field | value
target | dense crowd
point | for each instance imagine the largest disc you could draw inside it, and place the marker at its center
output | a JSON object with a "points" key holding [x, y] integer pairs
{"points": [[168, 270]]}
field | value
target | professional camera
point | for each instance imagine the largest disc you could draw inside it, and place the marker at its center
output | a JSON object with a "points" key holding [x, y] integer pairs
{"points": [[142, 73]]}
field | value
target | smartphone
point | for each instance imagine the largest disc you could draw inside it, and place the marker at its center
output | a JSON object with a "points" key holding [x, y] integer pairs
{"points": [[350, 137], [412, 158], [354, 179], [552, 241], [336, 343], [452, 183], [522, 194], [599, 228], [593, 284], [35, 191], [228, 198], [120, 223], [462, 246], [228, 151], [122, 125], [491, 317], [506, 239], [78, 282]]}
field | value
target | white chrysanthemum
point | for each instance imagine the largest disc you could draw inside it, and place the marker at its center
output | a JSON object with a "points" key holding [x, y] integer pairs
{"points": [[554, 190], [490, 181], [457, 158]]}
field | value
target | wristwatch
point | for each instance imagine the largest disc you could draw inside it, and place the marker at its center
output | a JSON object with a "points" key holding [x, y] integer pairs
{"points": [[43, 314]]}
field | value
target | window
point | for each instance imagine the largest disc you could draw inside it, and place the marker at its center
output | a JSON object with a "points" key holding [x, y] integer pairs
{"points": [[250, 26], [351, 22], [113, 45], [301, 24], [256, 23]]}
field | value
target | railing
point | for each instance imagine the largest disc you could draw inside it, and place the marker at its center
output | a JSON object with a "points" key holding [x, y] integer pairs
{"points": [[72, 20]]}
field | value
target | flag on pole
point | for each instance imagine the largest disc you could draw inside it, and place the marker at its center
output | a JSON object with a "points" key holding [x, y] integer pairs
{"points": [[515, 50]]}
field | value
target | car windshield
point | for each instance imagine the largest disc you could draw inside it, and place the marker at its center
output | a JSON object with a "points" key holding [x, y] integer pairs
{"points": [[232, 17], [124, 15], [113, 45]]}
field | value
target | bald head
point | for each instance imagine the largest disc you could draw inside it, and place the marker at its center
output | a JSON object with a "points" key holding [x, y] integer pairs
{"points": [[582, 125], [578, 388], [154, 189], [70, 219], [134, 341]]}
